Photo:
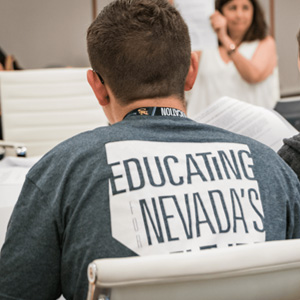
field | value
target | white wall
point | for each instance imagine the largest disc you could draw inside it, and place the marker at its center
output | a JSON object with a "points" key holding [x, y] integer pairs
{"points": [[43, 33], [287, 25]]}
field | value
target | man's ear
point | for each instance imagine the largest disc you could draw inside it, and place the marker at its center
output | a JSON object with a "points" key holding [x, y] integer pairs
{"points": [[99, 89], [193, 71]]}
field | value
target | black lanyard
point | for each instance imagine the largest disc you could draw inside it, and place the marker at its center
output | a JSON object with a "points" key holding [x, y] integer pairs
{"points": [[157, 111]]}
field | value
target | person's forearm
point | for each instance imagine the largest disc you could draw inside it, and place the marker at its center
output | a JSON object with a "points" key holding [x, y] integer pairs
{"points": [[250, 71], [247, 69]]}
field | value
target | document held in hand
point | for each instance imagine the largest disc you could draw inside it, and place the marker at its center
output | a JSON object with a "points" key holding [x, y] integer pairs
{"points": [[264, 125], [196, 14]]}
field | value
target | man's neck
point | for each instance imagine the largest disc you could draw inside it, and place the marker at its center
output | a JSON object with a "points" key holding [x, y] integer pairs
{"points": [[171, 102]]}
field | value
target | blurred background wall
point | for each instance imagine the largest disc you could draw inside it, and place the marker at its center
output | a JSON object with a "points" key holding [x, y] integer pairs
{"points": [[287, 25], [43, 33]]}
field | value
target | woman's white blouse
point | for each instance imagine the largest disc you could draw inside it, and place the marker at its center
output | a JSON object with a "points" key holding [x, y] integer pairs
{"points": [[216, 79]]}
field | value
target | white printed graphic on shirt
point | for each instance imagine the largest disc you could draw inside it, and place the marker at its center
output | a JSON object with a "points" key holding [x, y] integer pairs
{"points": [[178, 197]]}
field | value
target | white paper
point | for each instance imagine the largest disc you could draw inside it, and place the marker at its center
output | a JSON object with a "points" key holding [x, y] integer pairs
{"points": [[261, 124], [12, 161], [13, 172], [11, 182], [196, 14], [5, 213]]}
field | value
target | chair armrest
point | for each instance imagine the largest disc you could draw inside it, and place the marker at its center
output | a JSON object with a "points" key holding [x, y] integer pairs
{"points": [[19, 148]]}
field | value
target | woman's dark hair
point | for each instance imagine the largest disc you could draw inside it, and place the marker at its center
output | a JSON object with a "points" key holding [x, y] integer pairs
{"points": [[258, 29]]}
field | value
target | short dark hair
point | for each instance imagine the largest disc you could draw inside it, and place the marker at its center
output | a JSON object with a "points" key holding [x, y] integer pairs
{"points": [[258, 29], [141, 48]]}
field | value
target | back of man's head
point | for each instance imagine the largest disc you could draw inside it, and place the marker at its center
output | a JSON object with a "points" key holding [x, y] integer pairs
{"points": [[141, 48]]}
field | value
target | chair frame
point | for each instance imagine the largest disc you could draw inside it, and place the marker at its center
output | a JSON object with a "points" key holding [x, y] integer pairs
{"points": [[268, 271]]}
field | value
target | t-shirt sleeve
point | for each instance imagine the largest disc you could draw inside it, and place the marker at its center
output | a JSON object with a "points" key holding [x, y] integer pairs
{"points": [[31, 248]]}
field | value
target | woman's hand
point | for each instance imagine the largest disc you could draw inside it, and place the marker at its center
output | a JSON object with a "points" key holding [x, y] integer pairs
{"points": [[219, 24]]}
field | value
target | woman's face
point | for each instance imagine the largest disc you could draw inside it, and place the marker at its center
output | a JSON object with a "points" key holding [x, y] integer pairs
{"points": [[239, 15]]}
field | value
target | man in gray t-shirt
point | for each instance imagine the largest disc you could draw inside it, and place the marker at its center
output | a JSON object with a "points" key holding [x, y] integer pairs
{"points": [[154, 181]]}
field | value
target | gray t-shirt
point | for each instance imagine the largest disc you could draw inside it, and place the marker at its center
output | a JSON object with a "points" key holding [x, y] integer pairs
{"points": [[146, 185]]}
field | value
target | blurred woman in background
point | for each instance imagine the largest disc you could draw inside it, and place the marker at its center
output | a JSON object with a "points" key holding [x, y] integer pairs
{"points": [[245, 64]]}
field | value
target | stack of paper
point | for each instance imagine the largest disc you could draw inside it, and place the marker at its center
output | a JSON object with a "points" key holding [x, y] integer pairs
{"points": [[259, 123], [12, 176]]}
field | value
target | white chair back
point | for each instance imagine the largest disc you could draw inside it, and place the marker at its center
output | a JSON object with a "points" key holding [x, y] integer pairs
{"points": [[266, 271], [41, 108]]}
